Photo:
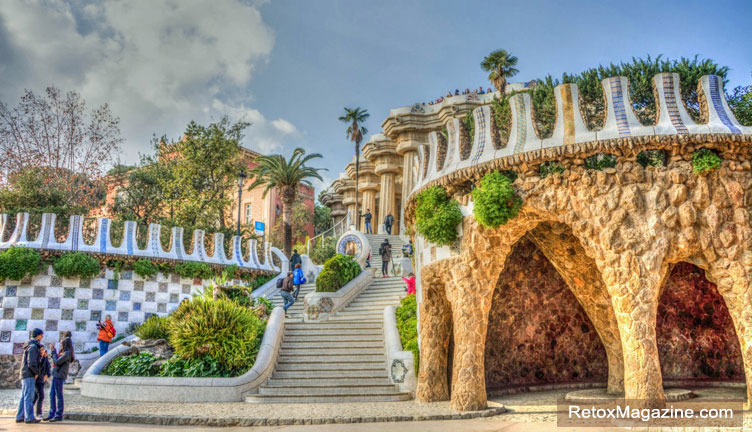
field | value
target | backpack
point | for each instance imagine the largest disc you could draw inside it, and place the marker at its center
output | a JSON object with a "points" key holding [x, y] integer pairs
{"points": [[280, 281], [381, 250], [113, 331]]}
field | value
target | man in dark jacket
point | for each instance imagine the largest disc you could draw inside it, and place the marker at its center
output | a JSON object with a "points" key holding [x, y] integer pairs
{"points": [[295, 259], [44, 372], [367, 216], [59, 375], [286, 291], [29, 373], [388, 222], [385, 250]]}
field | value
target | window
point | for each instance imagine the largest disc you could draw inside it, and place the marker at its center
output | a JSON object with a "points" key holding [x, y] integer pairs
{"points": [[248, 213]]}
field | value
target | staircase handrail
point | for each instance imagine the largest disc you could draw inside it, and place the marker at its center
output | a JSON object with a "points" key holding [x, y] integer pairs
{"points": [[342, 225]]}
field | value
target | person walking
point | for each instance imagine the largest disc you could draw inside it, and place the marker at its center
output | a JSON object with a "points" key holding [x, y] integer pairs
{"points": [[388, 222], [44, 374], [385, 250], [106, 333], [286, 291], [59, 375], [297, 280], [29, 374], [410, 281], [295, 259], [367, 217]]}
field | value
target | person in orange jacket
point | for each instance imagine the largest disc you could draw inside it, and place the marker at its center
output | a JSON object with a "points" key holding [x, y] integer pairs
{"points": [[106, 333]]}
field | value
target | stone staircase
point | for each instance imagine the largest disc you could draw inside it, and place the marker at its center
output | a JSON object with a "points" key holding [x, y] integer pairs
{"points": [[342, 359], [375, 240], [295, 312]]}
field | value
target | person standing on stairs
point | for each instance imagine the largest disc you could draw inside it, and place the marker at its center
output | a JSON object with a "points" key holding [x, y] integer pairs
{"points": [[388, 222], [385, 250], [297, 280], [295, 259], [368, 216], [286, 291]]}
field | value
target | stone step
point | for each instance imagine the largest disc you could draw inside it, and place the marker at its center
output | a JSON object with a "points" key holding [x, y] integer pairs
{"points": [[338, 374], [327, 325], [350, 334], [343, 368], [330, 352], [366, 307], [367, 319], [335, 337], [324, 381], [332, 343], [327, 398], [358, 314], [339, 358], [329, 389]]}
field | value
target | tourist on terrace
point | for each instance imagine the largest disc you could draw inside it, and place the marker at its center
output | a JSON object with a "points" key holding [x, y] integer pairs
{"points": [[385, 250], [106, 333], [456, 92], [295, 259], [410, 281], [297, 280], [59, 375], [29, 373], [368, 216], [388, 222], [44, 373], [286, 291], [449, 93], [489, 90], [407, 249]]}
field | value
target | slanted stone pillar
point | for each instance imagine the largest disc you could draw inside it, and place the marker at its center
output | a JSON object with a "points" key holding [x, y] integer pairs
{"points": [[435, 325], [407, 147], [368, 185], [387, 164]]}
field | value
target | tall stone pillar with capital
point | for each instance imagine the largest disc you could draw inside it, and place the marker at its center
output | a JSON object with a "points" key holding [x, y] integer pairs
{"points": [[387, 165], [368, 185], [407, 147]]}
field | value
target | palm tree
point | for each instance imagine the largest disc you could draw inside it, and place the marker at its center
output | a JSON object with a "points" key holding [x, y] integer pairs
{"points": [[501, 66], [354, 118], [286, 175]]}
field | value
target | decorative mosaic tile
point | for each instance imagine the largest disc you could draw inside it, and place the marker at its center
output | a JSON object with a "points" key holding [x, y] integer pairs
{"points": [[96, 315], [84, 283], [21, 324], [83, 304], [148, 315], [173, 298], [8, 313], [97, 294], [80, 325], [161, 307], [50, 325], [112, 284], [56, 281], [26, 280], [136, 306], [150, 296], [110, 305], [122, 316], [5, 336], [126, 275], [125, 295], [37, 313], [152, 278], [138, 285], [69, 293], [40, 291], [53, 303], [163, 287], [186, 289], [66, 314], [78, 347], [175, 278], [10, 290], [18, 347], [23, 302]]}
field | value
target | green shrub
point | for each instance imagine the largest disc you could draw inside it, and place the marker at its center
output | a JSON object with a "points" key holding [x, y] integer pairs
{"points": [[220, 329], [156, 327], [145, 268], [141, 364], [437, 216], [202, 367], [240, 295], [547, 168], [193, 269], [502, 115], [323, 250], [76, 264], [469, 122], [705, 161], [337, 272], [600, 161], [495, 200], [17, 262], [260, 281], [407, 325], [656, 158], [264, 301], [231, 271]]}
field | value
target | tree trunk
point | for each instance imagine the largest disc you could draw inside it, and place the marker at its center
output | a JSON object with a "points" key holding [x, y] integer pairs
{"points": [[287, 222], [357, 175]]}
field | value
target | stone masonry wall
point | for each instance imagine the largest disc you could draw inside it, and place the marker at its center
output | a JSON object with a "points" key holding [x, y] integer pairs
{"points": [[537, 331]]}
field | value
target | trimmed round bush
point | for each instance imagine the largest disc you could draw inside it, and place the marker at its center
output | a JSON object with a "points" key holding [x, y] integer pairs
{"points": [[705, 161], [76, 264], [145, 268], [156, 327], [337, 272], [437, 216], [17, 262], [220, 329], [495, 200]]}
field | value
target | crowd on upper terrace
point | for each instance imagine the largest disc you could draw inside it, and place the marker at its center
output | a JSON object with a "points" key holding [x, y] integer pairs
{"points": [[478, 91]]}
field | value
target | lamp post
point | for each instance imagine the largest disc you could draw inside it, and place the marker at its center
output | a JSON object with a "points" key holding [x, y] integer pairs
{"points": [[241, 182]]}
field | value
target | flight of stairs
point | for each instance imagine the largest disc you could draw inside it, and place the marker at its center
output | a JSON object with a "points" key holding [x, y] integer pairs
{"points": [[375, 240], [342, 359], [295, 312]]}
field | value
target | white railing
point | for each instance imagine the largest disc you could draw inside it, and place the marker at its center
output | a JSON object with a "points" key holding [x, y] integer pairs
{"points": [[335, 232]]}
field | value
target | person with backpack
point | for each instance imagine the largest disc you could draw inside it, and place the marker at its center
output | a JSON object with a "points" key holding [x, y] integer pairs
{"points": [[106, 334], [388, 222], [385, 250], [59, 375], [295, 259], [286, 291], [45, 371], [297, 280], [367, 217], [29, 374]]}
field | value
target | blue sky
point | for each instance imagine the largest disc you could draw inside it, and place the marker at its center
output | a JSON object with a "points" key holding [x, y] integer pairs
{"points": [[291, 66]]}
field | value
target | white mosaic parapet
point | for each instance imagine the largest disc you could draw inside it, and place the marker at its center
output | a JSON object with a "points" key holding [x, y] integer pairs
{"points": [[570, 127], [102, 244]]}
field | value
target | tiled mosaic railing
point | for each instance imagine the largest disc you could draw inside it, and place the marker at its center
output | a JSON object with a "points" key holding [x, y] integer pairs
{"points": [[56, 304], [103, 243], [621, 122]]}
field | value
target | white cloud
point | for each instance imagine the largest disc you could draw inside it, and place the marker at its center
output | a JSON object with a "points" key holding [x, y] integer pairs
{"points": [[159, 64]]}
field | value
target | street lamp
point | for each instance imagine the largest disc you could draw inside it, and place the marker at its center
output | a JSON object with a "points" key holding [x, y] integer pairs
{"points": [[241, 182]]}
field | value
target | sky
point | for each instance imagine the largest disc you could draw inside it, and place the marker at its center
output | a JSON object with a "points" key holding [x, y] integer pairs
{"points": [[290, 66]]}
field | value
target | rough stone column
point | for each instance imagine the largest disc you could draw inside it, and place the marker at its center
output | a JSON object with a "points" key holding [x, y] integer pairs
{"points": [[368, 201], [435, 325], [386, 202]]}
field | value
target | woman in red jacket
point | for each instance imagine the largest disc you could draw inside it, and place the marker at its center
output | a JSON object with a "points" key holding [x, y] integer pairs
{"points": [[106, 333]]}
